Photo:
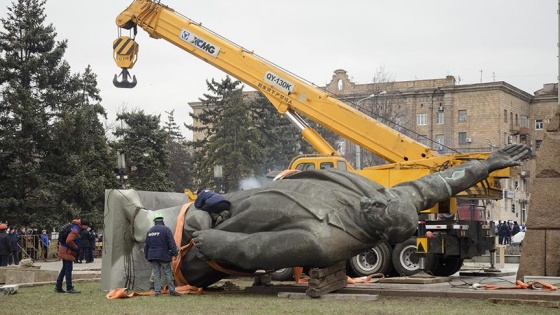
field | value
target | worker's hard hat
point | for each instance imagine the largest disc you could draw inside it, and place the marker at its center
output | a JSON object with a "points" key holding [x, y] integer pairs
{"points": [[158, 216], [3, 226]]}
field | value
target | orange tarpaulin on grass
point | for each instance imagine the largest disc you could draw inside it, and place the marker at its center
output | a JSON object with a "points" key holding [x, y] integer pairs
{"points": [[121, 293]]}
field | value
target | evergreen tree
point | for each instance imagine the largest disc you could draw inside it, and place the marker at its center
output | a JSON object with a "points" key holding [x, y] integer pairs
{"points": [[144, 144], [79, 163], [245, 134], [40, 99], [279, 138], [231, 139], [180, 167]]}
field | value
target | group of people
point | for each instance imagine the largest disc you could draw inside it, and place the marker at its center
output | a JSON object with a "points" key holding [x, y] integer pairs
{"points": [[88, 237], [25, 243], [506, 230], [77, 247]]}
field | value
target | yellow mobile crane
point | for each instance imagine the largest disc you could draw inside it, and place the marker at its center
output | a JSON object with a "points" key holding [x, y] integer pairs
{"points": [[439, 246]]}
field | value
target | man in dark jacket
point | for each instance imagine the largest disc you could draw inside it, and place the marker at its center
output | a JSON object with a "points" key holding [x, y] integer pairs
{"points": [[500, 233], [505, 233], [515, 229], [215, 204], [158, 249], [85, 244], [5, 245], [15, 238], [45, 243], [210, 201], [67, 252], [92, 240]]}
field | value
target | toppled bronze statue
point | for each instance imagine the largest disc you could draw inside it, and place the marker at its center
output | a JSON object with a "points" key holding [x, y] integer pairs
{"points": [[314, 218]]}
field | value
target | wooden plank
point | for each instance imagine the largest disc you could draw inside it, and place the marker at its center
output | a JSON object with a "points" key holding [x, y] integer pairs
{"points": [[322, 272]]}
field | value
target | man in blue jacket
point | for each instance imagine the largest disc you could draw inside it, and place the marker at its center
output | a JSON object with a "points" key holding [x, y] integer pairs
{"points": [[45, 242], [158, 249], [215, 204], [15, 238]]}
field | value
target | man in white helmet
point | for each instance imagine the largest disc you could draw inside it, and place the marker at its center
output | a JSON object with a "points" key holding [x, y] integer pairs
{"points": [[159, 248]]}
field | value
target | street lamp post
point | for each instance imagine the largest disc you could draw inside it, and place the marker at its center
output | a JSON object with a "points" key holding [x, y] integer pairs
{"points": [[218, 175], [358, 148], [121, 169]]}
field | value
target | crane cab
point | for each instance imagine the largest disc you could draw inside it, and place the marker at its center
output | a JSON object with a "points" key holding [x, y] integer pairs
{"points": [[307, 162]]}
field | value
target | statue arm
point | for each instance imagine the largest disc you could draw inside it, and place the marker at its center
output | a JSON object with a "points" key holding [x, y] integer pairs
{"points": [[427, 191]]}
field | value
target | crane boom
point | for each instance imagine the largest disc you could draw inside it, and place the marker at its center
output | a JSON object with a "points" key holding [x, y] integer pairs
{"points": [[288, 93]]}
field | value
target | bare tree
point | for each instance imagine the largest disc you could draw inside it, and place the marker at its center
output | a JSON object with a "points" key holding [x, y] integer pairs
{"points": [[385, 104]]}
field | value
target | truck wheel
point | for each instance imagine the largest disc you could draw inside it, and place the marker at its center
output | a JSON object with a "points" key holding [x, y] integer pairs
{"points": [[375, 260], [445, 267], [405, 260], [284, 274]]}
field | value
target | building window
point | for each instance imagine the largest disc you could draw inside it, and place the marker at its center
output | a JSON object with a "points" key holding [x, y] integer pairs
{"points": [[440, 140], [538, 144], [505, 115], [462, 115], [422, 119], [538, 124], [439, 118], [342, 166], [305, 166], [462, 138], [516, 120], [524, 121], [423, 139], [399, 121]]}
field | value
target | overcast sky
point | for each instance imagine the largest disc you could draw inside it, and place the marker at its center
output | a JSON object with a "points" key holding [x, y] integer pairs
{"points": [[508, 40]]}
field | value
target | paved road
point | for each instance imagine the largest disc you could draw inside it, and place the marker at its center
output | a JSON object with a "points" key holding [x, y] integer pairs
{"points": [[96, 266], [57, 265], [458, 286]]}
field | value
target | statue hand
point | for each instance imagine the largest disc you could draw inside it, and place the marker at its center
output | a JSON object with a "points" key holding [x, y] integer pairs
{"points": [[510, 155]]}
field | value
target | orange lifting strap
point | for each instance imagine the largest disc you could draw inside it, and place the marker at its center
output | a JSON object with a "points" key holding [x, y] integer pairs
{"points": [[522, 285], [176, 261]]}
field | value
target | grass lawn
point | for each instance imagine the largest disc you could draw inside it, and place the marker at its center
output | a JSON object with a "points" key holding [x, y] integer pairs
{"points": [[92, 300]]}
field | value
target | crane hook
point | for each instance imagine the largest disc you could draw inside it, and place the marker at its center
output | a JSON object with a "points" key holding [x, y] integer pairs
{"points": [[124, 83]]}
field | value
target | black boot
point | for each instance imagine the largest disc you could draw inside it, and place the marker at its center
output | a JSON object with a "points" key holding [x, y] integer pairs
{"points": [[73, 291]]}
